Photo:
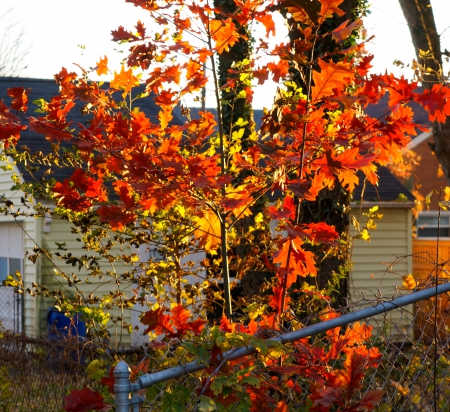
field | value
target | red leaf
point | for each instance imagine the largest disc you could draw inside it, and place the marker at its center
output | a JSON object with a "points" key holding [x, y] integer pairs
{"points": [[122, 35], [279, 70], [370, 400], [226, 325], [436, 102], [85, 400], [109, 381], [179, 317], [351, 377], [116, 216], [158, 321], [315, 232], [276, 299], [20, 98]]}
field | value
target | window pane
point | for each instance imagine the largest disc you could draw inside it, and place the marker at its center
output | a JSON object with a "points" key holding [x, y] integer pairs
{"points": [[14, 265], [3, 268], [425, 231], [432, 220]]}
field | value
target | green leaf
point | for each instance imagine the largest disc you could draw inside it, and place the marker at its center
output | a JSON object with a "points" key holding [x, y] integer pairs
{"points": [[200, 353], [206, 404], [260, 345], [95, 369], [251, 380]]}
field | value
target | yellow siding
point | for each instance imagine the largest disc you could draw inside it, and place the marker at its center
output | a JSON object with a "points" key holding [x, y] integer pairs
{"points": [[30, 233], [60, 231], [379, 265]]}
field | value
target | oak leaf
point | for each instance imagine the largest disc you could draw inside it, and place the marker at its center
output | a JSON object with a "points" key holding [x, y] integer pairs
{"points": [[85, 400], [102, 66], [125, 80], [208, 230], [332, 79], [224, 33]]}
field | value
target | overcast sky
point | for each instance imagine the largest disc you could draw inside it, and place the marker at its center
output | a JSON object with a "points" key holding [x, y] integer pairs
{"points": [[55, 30]]}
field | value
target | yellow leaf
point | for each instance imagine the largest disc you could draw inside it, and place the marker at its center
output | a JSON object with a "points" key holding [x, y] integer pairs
{"points": [[365, 235], [208, 230], [428, 199]]}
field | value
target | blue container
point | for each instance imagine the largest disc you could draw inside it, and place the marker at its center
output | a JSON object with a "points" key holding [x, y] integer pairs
{"points": [[59, 324]]}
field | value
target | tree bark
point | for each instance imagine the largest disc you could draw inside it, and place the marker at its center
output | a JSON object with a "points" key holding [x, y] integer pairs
{"points": [[331, 206], [420, 18]]}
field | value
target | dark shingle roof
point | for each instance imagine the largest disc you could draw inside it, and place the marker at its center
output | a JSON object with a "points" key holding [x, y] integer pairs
{"points": [[389, 189], [381, 110], [46, 89]]}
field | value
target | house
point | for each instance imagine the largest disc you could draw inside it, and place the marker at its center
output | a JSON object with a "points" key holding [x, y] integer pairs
{"points": [[426, 178], [20, 236]]}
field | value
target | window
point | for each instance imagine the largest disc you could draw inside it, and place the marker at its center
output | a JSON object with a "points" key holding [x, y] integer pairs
{"points": [[11, 249], [428, 224]]}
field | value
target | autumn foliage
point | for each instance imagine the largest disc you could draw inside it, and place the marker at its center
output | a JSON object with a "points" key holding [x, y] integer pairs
{"points": [[184, 187]]}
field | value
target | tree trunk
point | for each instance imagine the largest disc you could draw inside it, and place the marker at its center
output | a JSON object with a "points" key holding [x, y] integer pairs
{"points": [[331, 206], [424, 35]]}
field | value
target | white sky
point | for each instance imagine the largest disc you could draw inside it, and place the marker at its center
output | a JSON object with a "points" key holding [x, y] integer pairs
{"points": [[56, 28]]}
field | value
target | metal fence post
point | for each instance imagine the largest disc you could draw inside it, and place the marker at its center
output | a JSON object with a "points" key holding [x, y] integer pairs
{"points": [[122, 387]]}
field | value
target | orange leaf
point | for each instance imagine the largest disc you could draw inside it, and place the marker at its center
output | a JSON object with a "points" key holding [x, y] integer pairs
{"points": [[102, 66], [180, 315], [125, 80], [343, 32], [224, 33], [298, 262], [330, 7], [208, 230], [332, 78], [267, 21]]}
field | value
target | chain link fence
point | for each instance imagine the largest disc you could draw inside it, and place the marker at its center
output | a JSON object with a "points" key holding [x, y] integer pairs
{"points": [[11, 309], [406, 369], [407, 364], [35, 374]]}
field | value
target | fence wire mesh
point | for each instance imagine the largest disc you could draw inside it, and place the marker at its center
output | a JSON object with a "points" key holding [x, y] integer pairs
{"points": [[11, 309], [35, 374], [407, 367]]}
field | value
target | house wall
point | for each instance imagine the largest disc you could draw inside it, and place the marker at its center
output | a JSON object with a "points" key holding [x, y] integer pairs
{"points": [[30, 233], [379, 265], [60, 232]]}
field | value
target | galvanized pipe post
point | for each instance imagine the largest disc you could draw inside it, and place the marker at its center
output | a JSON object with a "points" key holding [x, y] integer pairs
{"points": [[122, 387]]}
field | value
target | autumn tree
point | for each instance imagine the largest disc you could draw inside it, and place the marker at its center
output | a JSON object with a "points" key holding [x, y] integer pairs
{"points": [[332, 205], [429, 69], [183, 188]]}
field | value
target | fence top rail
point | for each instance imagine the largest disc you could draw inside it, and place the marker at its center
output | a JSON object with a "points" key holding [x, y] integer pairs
{"points": [[147, 380]]}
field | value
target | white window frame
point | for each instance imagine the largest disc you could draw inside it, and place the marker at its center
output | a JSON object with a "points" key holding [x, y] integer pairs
{"points": [[444, 223]]}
